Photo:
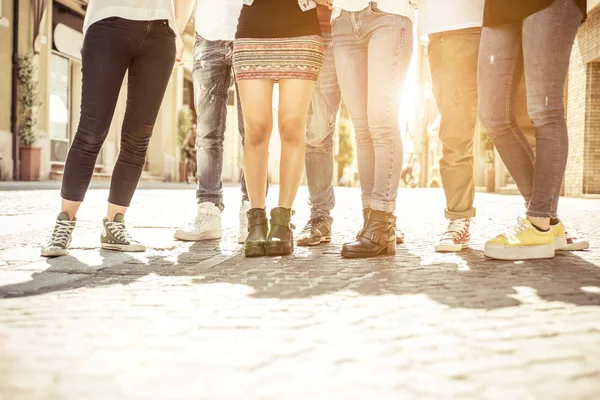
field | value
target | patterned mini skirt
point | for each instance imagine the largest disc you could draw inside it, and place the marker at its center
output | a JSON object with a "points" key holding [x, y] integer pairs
{"points": [[280, 58]]}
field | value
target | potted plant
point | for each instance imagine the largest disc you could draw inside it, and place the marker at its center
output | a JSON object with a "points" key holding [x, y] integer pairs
{"points": [[490, 171], [29, 99], [185, 122]]}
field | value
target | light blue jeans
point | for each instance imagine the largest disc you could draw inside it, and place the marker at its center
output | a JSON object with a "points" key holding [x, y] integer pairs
{"points": [[539, 47], [372, 52], [320, 131]]}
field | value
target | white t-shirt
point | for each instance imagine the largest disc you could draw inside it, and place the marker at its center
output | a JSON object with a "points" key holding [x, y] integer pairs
{"points": [[218, 19], [400, 7], [449, 15], [137, 10]]}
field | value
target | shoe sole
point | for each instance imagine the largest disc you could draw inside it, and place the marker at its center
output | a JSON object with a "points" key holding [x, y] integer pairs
{"points": [[324, 239], [560, 244], [54, 253], [279, 250], [242, 240], [255, 251], [123, 248], [519, 253], [390, 250], [447, 248], [189, 237]]}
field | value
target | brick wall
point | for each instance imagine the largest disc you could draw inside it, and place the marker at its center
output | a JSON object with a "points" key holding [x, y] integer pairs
{"points": [[583, 114], [591, 163]]}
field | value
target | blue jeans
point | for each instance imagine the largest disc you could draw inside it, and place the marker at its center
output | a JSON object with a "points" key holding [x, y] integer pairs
{"points": [[320, 131], [213, 78], [372, 53], [539, 47]]}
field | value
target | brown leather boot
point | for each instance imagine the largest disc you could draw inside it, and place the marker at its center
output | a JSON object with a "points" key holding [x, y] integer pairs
{"points": [[399, 233], [258, 229], [378, 237]]}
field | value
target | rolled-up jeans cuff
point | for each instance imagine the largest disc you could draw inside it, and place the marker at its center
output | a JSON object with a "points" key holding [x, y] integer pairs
{"points": [[541, 214], [385, 206], [454, 215]]}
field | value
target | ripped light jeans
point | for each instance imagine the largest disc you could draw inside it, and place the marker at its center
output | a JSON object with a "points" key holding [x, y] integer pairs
{"points": [[539, 47], [372, 52], [320, 131]]}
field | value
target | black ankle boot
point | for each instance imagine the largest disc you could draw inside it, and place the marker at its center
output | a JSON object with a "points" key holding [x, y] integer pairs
{"points": [[378, 237], [281, 237], [258, 230]]}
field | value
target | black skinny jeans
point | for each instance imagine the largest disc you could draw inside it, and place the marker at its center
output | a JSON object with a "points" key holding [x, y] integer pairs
{"points": [[112, 47]]}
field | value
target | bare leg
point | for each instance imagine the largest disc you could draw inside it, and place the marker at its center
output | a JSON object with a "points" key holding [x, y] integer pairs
{"points": [[256, 97], [113, 210], [70, 207], [294, 102]]}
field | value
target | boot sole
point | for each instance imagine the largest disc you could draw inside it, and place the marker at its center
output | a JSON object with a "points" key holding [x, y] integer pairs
{"points": [[255, 251], [390, 250], [280, 250]]}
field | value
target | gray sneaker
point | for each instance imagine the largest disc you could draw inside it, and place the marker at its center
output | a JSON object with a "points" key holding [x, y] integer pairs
{"points": [[316, 231], [59, 243], [115, 237]]}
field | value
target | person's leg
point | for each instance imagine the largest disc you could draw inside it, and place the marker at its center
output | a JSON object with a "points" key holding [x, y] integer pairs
{"points": [[104, 67], [351, 60], [294, 101], [212, 76], [320, 131], [453, 59], [499, 76], [548, 37], [149, 73], [390, 51], [212, 80], [500, 72], [256, 97]]}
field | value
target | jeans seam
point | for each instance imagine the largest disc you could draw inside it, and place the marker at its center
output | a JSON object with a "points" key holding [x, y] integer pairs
{"points": [[390, 100]]}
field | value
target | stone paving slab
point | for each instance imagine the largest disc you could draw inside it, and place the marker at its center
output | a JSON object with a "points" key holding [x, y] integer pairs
{"points": [[199, 321]]}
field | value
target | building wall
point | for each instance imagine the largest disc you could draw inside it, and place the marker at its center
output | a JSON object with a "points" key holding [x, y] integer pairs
{"points": [[6, 38], [583, 114]]}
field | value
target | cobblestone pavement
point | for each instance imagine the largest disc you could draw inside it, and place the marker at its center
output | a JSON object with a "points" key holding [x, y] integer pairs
{"points": [[198, 321]]}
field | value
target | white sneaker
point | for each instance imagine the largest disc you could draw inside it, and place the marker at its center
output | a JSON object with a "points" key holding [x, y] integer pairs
{"points": [[206, 225], [456, 237], [243, 234]]}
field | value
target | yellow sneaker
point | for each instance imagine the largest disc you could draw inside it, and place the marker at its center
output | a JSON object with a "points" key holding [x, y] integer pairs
{"points": [[521, 242], [564, 241]]}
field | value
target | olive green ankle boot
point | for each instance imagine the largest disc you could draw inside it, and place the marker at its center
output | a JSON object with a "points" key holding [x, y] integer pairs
{"points": [[281, 236], [258, 229]]}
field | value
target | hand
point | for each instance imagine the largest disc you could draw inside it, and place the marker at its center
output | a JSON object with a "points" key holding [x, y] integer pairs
{"points": [[178, 51]]}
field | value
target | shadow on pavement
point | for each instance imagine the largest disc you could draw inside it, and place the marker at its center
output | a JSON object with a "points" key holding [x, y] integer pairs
{"points": [[463, 280]]}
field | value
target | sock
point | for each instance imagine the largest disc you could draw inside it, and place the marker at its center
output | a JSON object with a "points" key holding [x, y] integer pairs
{"points": [[540, 229]]}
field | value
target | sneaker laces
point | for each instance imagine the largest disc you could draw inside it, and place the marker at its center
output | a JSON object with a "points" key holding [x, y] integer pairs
{"points": [[456, 228], [62, 232], [520, 227], [118, 230]]}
